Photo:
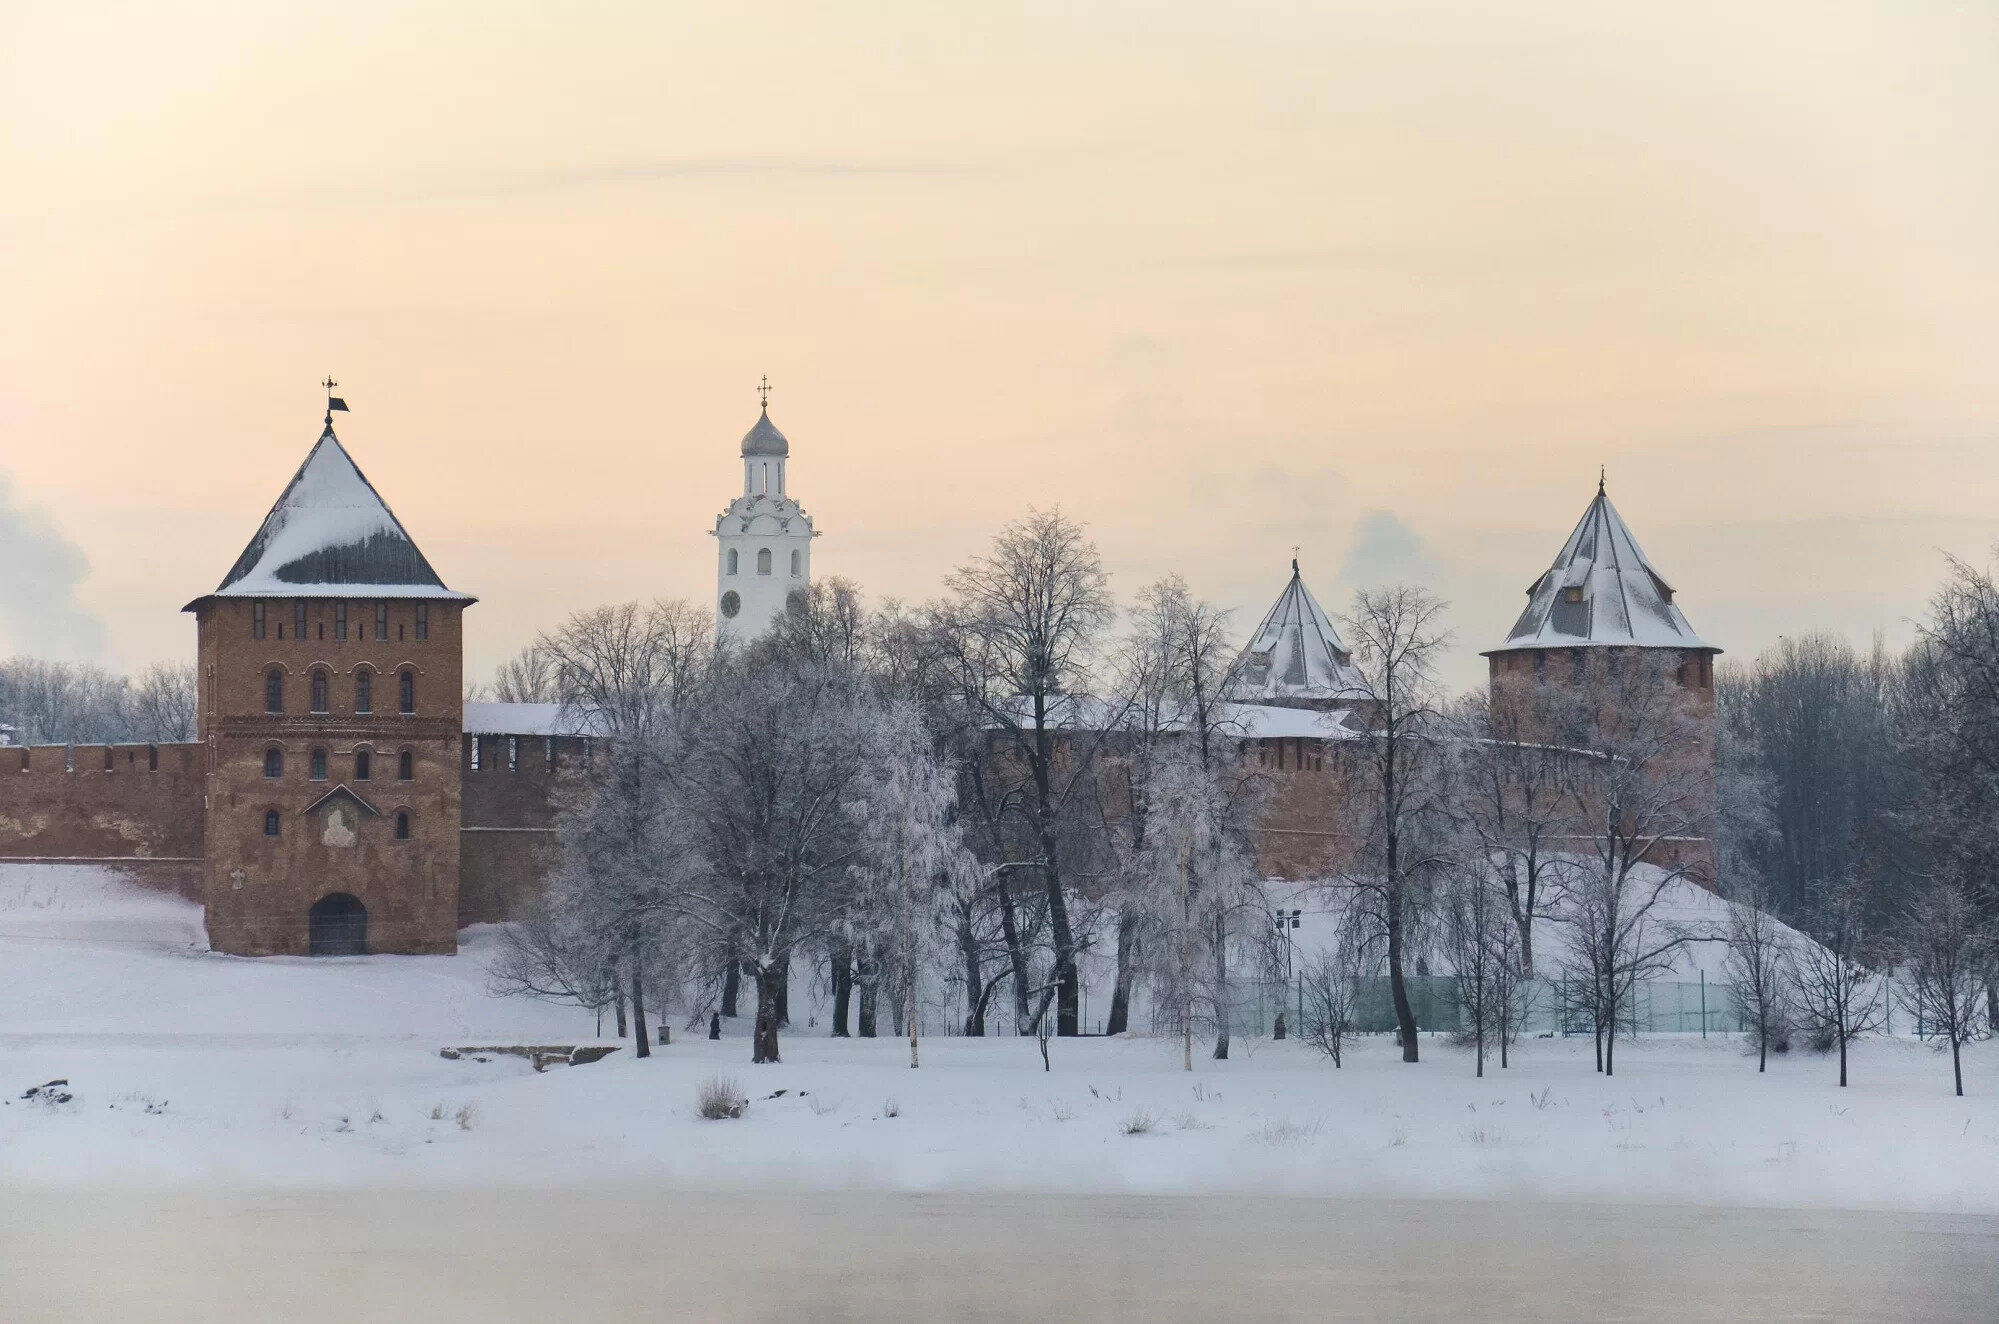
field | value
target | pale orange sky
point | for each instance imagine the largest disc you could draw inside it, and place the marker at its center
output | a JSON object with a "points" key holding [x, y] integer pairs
{"points": [[1386, 282]]}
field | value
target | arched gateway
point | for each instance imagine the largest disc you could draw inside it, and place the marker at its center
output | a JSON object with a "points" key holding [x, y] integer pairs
{"points": [[337, 925]]}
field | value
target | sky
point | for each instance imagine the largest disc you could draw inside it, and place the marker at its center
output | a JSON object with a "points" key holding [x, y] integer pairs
{"points": [[1389, 284]]}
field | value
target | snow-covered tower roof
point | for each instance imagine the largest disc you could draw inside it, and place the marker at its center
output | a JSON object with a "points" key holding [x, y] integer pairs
{"points": [[1601, 592], [331, 535], [1296, 657]]}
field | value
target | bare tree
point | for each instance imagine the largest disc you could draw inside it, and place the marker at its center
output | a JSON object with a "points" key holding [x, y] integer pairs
{"points": [[1511, 796], [532, 675], [1758, 963], [1019, 638], [163, 703], [1637, 783], [1840, 993], [1393, 802], [1481, 942], [1330, 990], [1949, 953]]}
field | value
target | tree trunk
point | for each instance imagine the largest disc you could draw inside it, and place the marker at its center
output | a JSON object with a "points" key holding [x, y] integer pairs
{"points": [[763, 1047], [867, 982], [895, 1011], [1127, 964], [639, 1032], [1610, 1033], [1956, 1065], [1762, 1042], [1016, 956], [618, 997], [784, 988], [1222, 1004], [1068, 980], [1842, 1057], [975, 988], [909, 1015], [843, 989], [1405, 1015], [732, 980]]}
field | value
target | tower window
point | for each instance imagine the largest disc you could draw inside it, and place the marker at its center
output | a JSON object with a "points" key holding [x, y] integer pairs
{"points": [[152, 758], [319, 688], [364, 691], [363, 764], [406, 690], [766, 479], [381, 620], [732, 560], [797, 563], [475, 752], [405, 767], [274, 763], [763, 560], [513, 753], [270, 822], [403, 826], [319, 765], [1573, 594], [339, 620], [423, 620], [257, 620], [298, 620], [274, 690]]}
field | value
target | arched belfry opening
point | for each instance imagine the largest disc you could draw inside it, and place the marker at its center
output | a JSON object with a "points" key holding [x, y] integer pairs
{"points": [[337, 925]]}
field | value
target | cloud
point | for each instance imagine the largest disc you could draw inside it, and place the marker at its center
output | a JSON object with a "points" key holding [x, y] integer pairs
{"points": [[39, 571], [1387, 551]]}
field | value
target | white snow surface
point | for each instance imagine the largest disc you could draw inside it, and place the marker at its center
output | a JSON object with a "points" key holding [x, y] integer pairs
{"points": [[193, 1069]]}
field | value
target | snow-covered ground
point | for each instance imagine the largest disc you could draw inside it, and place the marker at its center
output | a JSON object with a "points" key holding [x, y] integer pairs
{"points": [[189, 1068]]}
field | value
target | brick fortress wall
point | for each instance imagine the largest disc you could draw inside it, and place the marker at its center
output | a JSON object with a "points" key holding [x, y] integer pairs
{"points": [[508, 834], [134, 807]]}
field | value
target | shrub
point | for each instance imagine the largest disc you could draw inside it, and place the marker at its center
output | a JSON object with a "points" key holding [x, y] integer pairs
{"points": [[719, 1098], [1140, 1123]]}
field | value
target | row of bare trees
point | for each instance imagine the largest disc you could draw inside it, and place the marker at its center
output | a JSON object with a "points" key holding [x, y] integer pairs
{"points": [[75, 703]]}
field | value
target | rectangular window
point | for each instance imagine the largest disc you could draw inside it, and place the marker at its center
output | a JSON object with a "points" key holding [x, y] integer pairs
{"points": [[363, 765], [382, 620], [298, 620], [339, 620], [551, 751], [513, 753], [256, 620], [475, 753], [423, 620]]}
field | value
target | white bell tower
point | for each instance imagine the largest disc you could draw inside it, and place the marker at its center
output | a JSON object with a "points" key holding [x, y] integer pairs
{"points": [[763, 541]]}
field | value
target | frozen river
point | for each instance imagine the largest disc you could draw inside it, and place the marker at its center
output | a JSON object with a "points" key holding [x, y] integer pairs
{"points": [[490, 1256]]}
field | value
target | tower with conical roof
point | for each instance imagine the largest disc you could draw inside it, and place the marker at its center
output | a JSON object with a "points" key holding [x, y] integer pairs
{"points": [[331, 681], [1296, 658], [1602, 609], [763, 540]]}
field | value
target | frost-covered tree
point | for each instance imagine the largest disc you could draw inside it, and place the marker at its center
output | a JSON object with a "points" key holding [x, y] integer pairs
{"points": [[910, 851], [1758, 963], [1018, 639], [1949, 953], [763, 778]]}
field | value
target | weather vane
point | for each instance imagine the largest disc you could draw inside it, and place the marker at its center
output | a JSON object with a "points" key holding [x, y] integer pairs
{"points": [[333, 401], [763, 391]]}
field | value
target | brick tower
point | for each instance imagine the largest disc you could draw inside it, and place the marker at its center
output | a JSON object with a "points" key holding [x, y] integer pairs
{"points": [[330, 710], [1602, 605]]}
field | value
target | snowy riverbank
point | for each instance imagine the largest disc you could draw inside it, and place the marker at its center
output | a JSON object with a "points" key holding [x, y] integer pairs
{"points": [[190, 1069]]}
